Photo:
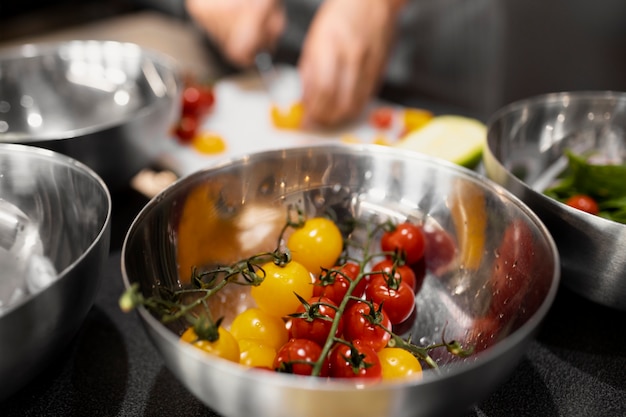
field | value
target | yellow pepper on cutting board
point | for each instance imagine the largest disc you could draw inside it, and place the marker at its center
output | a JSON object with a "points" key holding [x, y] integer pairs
{"points": [[468, 211]]}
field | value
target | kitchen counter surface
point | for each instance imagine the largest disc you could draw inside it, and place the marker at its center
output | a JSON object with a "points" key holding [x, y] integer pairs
{"points": [[575, 367]]}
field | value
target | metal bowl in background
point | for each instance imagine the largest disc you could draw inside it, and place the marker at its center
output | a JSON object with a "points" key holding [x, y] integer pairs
{"points": [[55, 216], [107, 104], [526, 140], [237, 208]]}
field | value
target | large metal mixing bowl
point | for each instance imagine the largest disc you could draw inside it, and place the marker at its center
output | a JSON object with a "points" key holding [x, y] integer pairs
{"points": [[237, 208], [107, 104], [526, 141], [60, 207]]}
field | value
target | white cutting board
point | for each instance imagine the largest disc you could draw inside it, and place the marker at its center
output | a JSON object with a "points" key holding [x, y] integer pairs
{"points": [[241, 116]]}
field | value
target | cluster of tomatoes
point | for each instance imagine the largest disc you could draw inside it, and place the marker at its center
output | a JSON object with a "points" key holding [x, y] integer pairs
{"points": [[318, 315], [197, 101]]}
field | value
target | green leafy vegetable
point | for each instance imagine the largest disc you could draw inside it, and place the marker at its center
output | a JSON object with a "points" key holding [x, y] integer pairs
{"points": [[604, 183]]}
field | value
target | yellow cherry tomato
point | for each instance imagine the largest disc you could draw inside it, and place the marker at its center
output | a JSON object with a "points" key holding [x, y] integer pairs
{"points": [[415, 119], [398, 363], [226, 346], [255, 354], [209, 143], [317, 244], [256, 324], [276, 294], [289, 118]]}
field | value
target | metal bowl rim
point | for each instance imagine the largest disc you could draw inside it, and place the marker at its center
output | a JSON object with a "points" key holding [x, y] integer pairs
{"points": [[551, 98]]}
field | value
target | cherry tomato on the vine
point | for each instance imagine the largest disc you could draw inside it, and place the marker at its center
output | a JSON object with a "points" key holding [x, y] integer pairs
{"points": [[256, 324], [356, 361], [335, 285], [317, 244], [316, 321], [583, 202], [298, 356], [398, 299], [367, 324], [398, 364], [254, 353], [407, 324], [406, 238], [226, 346], [276, 294], [403, 272]]}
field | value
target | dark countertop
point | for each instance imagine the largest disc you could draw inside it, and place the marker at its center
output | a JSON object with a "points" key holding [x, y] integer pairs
{"points": [[575, 367]]}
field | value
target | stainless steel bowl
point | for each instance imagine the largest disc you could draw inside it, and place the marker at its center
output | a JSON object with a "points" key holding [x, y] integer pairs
{"points": [[526, 140], [107, 104], [237, 208], [55, 213]]}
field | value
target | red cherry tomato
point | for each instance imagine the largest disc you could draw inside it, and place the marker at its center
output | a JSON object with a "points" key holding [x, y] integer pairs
{"points": [[186, 128], [584, 203], [207, 99], [197, 100], [419, 269], [403, 273], [397, 298], [406, 238], [335, 285], [316, 320], [356, 361], [406, 325], [368, 325], [298, 356], [381, 117]]}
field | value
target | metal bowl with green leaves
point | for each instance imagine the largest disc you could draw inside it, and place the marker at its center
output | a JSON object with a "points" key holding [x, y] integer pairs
{"points": [[552, 148]]}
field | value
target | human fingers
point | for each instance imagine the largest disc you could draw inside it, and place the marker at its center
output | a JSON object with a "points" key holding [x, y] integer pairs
{"points": [[240, 28], [356, 42]]}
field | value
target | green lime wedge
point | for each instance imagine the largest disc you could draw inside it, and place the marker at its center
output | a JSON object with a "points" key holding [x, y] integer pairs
{"points": [[454, 138]]}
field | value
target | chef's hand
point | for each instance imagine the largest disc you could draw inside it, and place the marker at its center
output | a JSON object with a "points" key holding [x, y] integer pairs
{"points": [[240, 28], [343, 57]]}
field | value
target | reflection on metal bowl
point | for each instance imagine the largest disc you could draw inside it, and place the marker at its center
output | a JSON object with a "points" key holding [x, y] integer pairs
{"points": [[526, 141], [106, 104], [492, 294], [55, 224]]}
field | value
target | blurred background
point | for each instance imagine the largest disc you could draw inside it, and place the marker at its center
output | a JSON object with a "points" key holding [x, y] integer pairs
{"points": [[473, 54]]}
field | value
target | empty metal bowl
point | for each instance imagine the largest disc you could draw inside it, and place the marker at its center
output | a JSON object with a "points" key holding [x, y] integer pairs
{"points": [[493, 300], [107, 104], [526, 142], [55, 216]]}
